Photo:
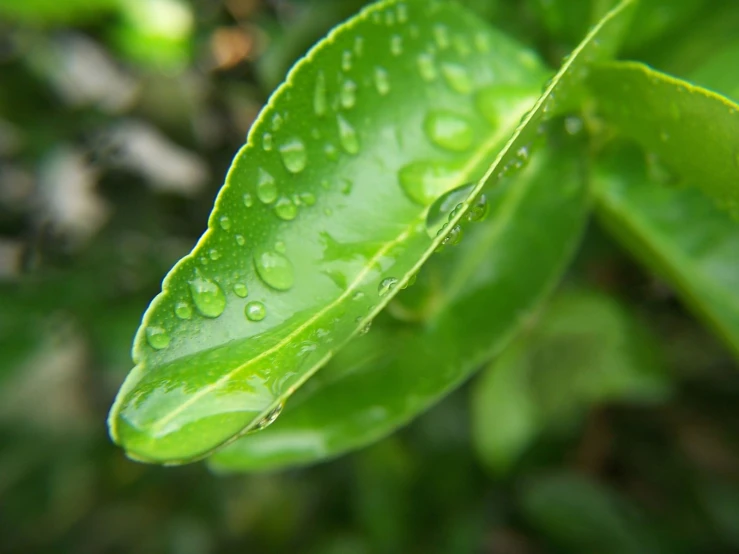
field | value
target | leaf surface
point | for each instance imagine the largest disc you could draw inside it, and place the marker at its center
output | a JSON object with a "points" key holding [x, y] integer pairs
{"points": [[679, 234], [481, 292], [692, 130]]}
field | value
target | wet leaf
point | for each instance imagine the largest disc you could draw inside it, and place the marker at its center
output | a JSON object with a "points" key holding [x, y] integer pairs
{"points": [[583, 350], [693, 131], [679, 234], [481, 292]]}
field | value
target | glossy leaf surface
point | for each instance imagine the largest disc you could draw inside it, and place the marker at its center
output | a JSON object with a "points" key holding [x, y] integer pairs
{"points": [[692, 130], [584, 349], [321, 219], [679, 234], [478, 294]]}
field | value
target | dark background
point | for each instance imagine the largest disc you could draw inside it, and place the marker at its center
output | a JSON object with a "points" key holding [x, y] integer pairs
{"points": [[118, 121]]}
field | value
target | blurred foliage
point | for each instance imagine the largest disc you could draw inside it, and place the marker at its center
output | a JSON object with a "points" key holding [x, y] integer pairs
{"points": [[118, 119]]}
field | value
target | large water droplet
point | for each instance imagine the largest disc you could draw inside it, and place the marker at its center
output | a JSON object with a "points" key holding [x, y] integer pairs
{"points": [[270, 418], [248, 200], [441, 36], [427, 67], [275, 270], [348, 136], [425, 181], [448, 130], [396, 45], [183, 310], [207, 296], [255, 311], [225, 222], [285, 209], [456, 77], [386, 285], [479, 210], [293, 155], [348, 94], [319, 96], [157, 338], [438, 214], [382, 81], [240, 290], [266, 187]]}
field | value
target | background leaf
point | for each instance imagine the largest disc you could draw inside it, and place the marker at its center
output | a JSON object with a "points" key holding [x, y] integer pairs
{"points": [[693, 131], [481, 293]]}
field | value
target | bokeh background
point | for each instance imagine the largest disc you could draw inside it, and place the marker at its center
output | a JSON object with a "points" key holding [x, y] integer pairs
{"points": [[118, 121]]}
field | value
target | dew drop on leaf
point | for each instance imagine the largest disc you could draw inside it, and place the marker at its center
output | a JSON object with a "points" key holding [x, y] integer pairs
{"points": [[240, 290], [266, 187], [214, 254], [225, 223], [255, 311], [207, 296], [358, 46], [438, 214], [293, 155], [456, 77], [348, 94], [240, 240], [425, 181], [275, 270], [448, 130], [365, 328], [386, 285], [248, 200], [280, 247], [348, 136], [183, 310], [270, 418], [479, 210], [285, 209], [276, 122], [441, 36], [382, 81], [427, 67], [454, 236], [346, 60], [308, 198], [402, 12], [319, 96], [157, 338], [396, 45], [267, 142]]}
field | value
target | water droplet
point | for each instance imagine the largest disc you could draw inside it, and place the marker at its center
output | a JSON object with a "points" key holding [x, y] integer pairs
{"points": [[267, 142], [255, 311], [214, 254], [389, 18], [275, 270], [441, 36], [319, 96], [285, 209], [456, 77], [365, 328], [411, 281], [157, 338], [308, 198], [427, 67], [276, 122], [523, 154], [270, 418], [293, 155], [225, 223], [347, 136], [439, 212], [240, 290], [331, 152], [348, 94], [266, 187], [454, 236], [382, 81], [280, 247], [573, 125], [425, 181], [448, 130], [240, 240], [248, 200], [386, 285], [183, 310], [207, 296], [346, 60], [396, 45], [503, 102], [402, 12], [479, 210], [358, 295], [358, 46]]}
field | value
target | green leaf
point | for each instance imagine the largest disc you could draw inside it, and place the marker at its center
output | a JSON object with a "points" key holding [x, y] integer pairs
{"points": [[585, 349], [679, 234], [54, 11], [359, 160], [481, 292], [713, 74], [693, 131], [321, 220]]}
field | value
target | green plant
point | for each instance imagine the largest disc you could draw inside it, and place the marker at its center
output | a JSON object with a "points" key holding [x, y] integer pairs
{"points": [[409, 126]]}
